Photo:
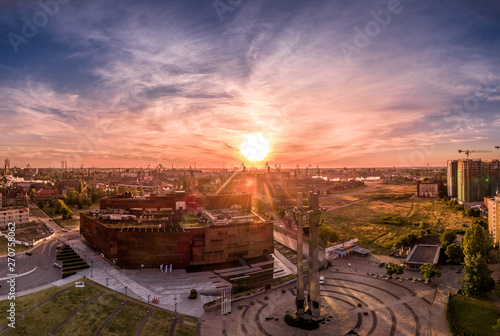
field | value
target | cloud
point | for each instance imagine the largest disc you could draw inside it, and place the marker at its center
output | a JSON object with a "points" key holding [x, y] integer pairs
{"points": [[171, 82]]}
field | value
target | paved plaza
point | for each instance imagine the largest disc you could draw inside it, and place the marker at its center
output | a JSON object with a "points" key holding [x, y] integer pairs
{"points": [[357, 304]]}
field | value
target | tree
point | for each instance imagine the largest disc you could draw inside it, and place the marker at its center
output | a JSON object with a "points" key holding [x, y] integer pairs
{"points": [[429, 271], [327, 234], [447, 238], [58, 205], [476, 246], [80, 187], [66, 212], [454, 253], [393, 268], [141, 192], [32, 192]]}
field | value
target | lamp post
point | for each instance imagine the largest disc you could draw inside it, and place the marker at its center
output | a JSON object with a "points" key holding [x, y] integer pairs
{"points": [[91, 273], [107, 281], [175, 303], [125, 289], [148, 297]]}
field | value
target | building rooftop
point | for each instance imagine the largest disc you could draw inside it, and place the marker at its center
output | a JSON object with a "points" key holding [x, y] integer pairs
{"points": [[423, 254]]}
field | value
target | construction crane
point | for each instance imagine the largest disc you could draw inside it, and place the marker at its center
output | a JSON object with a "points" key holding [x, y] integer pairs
{"points": [[268, 167], [467, 185]]}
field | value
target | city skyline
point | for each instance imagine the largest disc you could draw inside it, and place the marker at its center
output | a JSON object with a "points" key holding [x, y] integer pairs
{"points": [[358, 84]]}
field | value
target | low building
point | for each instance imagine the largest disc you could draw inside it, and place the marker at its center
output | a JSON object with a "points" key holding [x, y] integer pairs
{"points": [[422, 254], [46, 195], [493, 205], [429, 188], [18, 215], [14, 196]]}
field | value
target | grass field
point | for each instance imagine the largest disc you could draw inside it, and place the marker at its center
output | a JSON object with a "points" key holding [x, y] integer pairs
{"points": [[364, 220], [475, 316], [48, 316]]}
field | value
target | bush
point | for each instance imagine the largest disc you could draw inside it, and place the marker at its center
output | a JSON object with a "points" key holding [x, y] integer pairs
{"points": [[240, 307], [359, 305], [294, 321], [193, 295]]}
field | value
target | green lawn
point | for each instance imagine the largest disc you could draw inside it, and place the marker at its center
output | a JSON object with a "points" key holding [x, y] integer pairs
{"points": [[46, 317], [475, 316]]}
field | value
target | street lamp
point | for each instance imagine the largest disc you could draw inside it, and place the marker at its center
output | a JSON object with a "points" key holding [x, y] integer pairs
{"points": [[125, 289], [148, 297], [175, 303], [107, 281], [91, 273]]}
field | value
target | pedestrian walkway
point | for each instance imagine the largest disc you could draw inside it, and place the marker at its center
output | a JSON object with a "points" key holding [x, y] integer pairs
{"points": [[171, 288]]}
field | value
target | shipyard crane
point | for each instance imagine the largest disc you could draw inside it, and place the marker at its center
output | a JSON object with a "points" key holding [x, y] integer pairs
{"points": [[307, 169], [268, 167], [467, 153]]}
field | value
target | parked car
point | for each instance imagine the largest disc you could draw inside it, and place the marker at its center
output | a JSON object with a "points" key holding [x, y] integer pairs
{"points": [[57, 265], [381, 264], [321, 279], [458, 270], [64, 230], [29, 253]]}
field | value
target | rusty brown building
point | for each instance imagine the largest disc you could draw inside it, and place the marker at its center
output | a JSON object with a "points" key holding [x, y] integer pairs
{"points": [[176, 236]]}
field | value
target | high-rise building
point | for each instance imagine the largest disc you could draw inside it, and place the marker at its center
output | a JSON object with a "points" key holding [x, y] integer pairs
{"points": [[472, 180], [492, 170], [452, 178], [493, 205]]}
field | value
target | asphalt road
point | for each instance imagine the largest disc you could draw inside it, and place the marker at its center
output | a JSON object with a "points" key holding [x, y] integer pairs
{"points": [[43, 257]]}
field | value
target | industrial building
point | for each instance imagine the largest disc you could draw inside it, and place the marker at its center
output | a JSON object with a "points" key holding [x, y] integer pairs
{"points": [[178, 229]]}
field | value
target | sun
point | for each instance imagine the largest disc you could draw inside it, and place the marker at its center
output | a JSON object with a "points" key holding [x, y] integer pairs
{"points": [[256, 147]]}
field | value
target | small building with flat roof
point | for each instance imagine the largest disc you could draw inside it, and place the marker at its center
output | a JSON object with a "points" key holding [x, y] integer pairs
{"points": [[422, 254]]}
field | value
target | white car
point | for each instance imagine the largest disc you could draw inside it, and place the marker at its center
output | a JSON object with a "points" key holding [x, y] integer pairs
{"points": [[57, 265], [321, 279], [65, 230]]}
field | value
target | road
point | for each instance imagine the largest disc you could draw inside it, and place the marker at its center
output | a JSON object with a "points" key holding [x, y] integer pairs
{"points": [[41, 261]]}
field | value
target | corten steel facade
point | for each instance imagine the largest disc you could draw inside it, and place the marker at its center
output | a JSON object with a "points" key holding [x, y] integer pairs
{"points": [[130, 244], [135, 246]]}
